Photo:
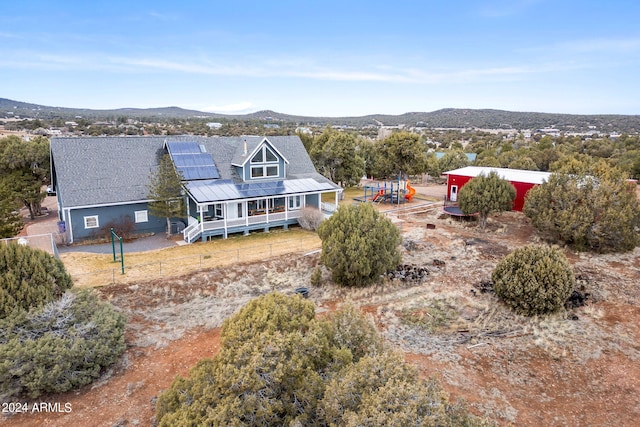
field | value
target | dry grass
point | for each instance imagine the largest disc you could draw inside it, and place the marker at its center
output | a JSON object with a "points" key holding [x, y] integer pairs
{"points": [[91, 270]]}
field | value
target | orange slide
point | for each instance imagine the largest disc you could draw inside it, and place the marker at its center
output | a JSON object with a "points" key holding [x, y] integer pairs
{"points": [[411, 192]]}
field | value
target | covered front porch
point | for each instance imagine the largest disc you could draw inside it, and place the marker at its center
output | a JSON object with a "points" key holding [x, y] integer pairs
{"points": [[208, 218]]}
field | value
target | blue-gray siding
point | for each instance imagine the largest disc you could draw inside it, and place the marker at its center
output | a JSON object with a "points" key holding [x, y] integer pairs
{"points": [[106, 214]]}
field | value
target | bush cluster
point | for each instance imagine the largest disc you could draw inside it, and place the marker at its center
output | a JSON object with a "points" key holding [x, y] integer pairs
{"points": [[62, 345], [280, 365], [51, 338], [534, 280]]}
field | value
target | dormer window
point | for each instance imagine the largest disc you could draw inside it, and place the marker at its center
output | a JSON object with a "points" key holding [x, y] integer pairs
{"points": [[265, 164], [264, 153]]}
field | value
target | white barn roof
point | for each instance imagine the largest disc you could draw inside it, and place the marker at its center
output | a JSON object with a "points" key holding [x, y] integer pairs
{"points": [[512, 175]]}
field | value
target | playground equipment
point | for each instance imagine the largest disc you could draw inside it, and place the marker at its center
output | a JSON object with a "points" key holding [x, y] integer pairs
{"points": [[389, 192]]}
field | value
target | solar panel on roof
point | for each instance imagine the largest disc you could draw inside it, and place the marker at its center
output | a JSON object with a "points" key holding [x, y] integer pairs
{"points": [[176, 147], [192, 162]]}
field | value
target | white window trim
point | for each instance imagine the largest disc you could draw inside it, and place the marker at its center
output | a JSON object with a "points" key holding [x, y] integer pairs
{"points": [[141, 216], [264, 149], [295, 202], [89, 218], [264, 167]]}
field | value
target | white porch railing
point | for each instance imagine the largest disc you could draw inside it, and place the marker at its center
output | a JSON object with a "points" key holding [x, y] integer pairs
{"points": [[191, 232], [195, 229], [328, 207]]}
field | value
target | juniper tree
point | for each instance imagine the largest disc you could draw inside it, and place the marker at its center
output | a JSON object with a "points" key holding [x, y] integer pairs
{"points": [[485, 195], [62, 345], [359, 244], [51, 339], [280, 365], [29, 278], [10, 219], [534, 280], [590, 208], [24, 168]]}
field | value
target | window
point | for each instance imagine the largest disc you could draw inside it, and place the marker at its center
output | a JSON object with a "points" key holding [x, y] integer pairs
{"points": [[141, 216], [272, 170], [258, 158], [91, 221], [218, 211], [240, 210], [264, 155], [257, 171], [265, 171], [265, 164], [269, 155], [295, 202]]}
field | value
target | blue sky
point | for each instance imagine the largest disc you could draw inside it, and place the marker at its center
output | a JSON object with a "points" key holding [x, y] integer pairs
{"points": [[324, 58]]}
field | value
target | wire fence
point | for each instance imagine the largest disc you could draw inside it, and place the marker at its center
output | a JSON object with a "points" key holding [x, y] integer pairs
{"points": [[44, 242], [172, 267]]}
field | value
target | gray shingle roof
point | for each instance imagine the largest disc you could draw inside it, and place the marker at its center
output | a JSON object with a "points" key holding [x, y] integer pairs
{"points": [[113, 170]]}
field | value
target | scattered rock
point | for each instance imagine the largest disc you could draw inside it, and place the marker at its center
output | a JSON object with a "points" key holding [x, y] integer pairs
{"points": [[411, 245], [577, 299], [408, 273], [486, 286]]}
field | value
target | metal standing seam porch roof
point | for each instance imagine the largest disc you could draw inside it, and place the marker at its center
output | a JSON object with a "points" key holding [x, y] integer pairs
{"points": [[217, 191]]}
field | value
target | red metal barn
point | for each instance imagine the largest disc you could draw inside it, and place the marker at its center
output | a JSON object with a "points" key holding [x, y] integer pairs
{"points": [[522, 180]]}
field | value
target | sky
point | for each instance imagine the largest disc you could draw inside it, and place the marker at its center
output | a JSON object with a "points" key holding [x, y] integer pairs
{"points": [[324, 58]]}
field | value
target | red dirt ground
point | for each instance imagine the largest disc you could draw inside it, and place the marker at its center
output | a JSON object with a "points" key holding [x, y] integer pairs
{"points": [[588, 375]]}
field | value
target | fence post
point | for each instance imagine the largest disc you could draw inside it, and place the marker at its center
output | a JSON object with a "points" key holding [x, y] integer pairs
{"points": [[160, 262]]}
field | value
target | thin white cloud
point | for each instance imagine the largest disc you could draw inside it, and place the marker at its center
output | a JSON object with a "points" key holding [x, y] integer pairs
{"points": [[290, 67], [611, 45]]}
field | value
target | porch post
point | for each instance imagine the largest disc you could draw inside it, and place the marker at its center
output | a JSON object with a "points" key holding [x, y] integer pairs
{"points": [[225, 210], [286, 208], [201, 218]]}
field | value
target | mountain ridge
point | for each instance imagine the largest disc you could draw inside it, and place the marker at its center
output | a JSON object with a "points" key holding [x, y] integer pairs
{"points": [[443, 118]]}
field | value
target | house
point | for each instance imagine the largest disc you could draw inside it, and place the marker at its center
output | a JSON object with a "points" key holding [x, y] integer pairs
{"points": [[522, 180], [231, 184]]}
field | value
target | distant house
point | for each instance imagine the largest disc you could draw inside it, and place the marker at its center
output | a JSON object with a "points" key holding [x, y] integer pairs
{"points": [[522, 180], [232, 184]]}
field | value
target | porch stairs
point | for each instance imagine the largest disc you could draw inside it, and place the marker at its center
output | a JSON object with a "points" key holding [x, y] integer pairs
{"points": [[192, 232]]}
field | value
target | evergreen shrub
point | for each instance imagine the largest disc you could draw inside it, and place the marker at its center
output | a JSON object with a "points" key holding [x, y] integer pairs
{"points": [[534, 280]]}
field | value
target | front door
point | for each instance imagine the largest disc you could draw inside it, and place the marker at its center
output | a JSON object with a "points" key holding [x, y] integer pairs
{"points": [[454, 193]]}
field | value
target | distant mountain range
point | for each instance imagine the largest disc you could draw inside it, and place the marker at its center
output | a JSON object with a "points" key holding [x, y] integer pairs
{"points": [[445, 118]]}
